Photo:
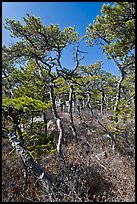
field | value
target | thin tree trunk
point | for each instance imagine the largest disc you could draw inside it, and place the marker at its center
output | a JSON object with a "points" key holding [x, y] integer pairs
{"points": [[45, 123], [102, 100], [16, 122], [118, 92], [78, 109], [106, 98], [45, 127], [118, 95], [45, 120], [60, 105], [110, 136], [72, 126], [57, 119], [89, 104]]}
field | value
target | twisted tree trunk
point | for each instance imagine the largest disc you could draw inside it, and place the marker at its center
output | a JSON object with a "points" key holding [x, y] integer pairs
{"points": [[29, 163], [57, 119], [72, 126]]}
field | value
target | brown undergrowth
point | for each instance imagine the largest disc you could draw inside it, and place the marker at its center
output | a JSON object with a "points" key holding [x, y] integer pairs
{"points": [[93, 172]]}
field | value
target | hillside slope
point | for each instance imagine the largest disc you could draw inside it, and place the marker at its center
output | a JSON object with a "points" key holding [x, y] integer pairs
{"points": [[93, 172]]}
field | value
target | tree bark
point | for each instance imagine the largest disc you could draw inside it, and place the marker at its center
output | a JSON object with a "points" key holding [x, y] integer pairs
{"points": [[78, 109], [45, 119], [16, 122], [106, 99], [118, 96], [102, 100], [29, 162], [57, 119], [45, 123], [118, 92], [89, 104], [72, 126]]}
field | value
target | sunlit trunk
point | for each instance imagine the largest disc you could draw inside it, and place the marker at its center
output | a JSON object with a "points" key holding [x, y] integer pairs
{"points": [[118, 95], [57, 119], [72, 126]]}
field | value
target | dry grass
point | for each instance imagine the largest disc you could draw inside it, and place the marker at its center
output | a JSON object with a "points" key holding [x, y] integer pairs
{"points": [[93, 172]]}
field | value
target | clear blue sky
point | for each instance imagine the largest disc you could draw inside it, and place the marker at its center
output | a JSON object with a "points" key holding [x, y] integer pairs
{"points": [[65, 14]]}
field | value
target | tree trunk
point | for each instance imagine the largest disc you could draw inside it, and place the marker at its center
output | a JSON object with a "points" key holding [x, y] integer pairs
{"points": [[72, 126], [16, 122], [89, 104], [29, 162], [57, 119], [45, 126], [78, 109], [45, 120], [102, 100], [60, 104], [106, 98], [118, 95]]}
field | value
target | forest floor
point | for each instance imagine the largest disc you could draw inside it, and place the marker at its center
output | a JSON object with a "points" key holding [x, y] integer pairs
{"points": [[95, 173]]}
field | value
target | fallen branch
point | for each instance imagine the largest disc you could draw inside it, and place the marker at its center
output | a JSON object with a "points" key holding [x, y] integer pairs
{"points": [[29, 162], [98, 161], [106, 130]]}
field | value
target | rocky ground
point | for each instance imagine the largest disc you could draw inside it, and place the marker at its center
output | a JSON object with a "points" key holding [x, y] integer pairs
{"points": [[94, 172]]}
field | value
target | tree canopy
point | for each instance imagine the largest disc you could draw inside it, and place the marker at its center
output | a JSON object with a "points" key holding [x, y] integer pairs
{"points": [[39, 93]]}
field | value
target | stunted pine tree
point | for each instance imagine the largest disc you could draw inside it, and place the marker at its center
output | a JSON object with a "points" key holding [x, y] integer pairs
{"points": [[43, 44], [114, 31]]}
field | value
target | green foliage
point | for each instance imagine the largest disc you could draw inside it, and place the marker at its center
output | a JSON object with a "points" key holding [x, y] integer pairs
{"points": [[38, 143], [91, 70], [26, 103], [114, 29], [61, 86], [36, 39], [38, 52], [37, 147]]}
